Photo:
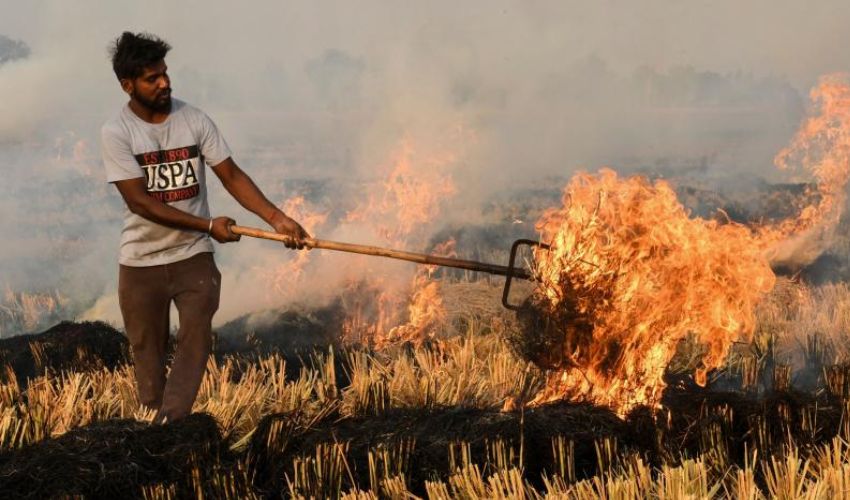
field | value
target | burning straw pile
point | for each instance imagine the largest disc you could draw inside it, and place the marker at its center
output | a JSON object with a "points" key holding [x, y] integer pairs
{"points": [[630, 274]]}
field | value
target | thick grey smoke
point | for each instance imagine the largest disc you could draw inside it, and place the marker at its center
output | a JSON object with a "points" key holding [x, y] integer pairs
{"points": [[514, 92]]}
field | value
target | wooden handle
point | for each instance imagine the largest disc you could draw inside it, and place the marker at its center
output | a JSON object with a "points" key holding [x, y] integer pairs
{"points": [[419, 258]]}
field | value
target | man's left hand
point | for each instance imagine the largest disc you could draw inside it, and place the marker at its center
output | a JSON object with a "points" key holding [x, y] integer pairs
{"points": [[284, 224]]}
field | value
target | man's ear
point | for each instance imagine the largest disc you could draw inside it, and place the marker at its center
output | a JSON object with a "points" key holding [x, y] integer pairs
{"points": [[127, 86]]}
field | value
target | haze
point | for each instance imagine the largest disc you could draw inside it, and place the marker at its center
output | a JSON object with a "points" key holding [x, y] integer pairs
{"points": [[317, 90]]}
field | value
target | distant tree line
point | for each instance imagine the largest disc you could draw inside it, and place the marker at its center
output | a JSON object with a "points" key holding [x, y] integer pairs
{"points": [[12, 49]]}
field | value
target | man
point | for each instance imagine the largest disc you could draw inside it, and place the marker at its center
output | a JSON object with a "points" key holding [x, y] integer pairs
{"points": [[154, 152]]}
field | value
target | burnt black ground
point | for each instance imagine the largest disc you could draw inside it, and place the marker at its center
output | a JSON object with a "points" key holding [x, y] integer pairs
{"points": [[297, 336], [281, 331], [67, 346], [113, 459], [682, 428], [432, 432], [116, 458], [89, 346]]}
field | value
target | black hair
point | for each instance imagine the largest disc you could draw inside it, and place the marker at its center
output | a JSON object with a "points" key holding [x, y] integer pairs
{"points": [[131, 53]]}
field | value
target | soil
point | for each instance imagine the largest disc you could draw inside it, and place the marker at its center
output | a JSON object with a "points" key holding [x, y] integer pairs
{"points": [[685, 426], [113, 459], [433, 431], [82, 347]]}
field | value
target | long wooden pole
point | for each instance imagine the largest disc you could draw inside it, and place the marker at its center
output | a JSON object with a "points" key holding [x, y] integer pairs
{"points": [[419, 258]]}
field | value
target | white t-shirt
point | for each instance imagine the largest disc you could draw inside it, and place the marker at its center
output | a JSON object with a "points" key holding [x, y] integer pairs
{"points": [[170, 156]]}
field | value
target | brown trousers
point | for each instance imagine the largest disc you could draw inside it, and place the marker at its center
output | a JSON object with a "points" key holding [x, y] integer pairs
{"points": [[145, 295]]}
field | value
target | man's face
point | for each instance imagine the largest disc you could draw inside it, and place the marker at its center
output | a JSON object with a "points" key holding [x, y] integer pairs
{"points": [[152, 88]]}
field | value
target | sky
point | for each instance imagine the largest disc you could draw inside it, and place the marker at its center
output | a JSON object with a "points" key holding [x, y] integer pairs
{"points": [[515, 92]]}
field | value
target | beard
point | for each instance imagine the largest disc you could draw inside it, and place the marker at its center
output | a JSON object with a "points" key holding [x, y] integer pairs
{"points": [[159, 103]]}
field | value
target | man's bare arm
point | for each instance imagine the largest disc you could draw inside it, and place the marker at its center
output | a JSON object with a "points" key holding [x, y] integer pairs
{"points": [[140, 203], [243, 189]]}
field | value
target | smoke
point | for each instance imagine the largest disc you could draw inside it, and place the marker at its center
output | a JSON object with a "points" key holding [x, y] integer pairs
{"points": [[323, 93]]}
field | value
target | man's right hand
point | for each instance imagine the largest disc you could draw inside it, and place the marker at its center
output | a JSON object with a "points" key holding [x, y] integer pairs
{"points": [[221, 230]]}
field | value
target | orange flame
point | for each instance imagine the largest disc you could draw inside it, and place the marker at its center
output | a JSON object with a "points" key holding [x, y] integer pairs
{"points": [[410, 196], [821, 148], [287, 274], [23, 312], [372, 307], [628, 261], [447, 248], [633, 274], [398, 210], [426, 312]]}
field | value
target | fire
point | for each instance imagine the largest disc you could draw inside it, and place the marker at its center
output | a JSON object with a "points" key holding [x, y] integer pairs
{"points": [[397, 212], [410, 196], [630, 274], [634, 275], [23, 312], [426, 312], [820, 148], [447, 248], [287, 274], [372, 308]]}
